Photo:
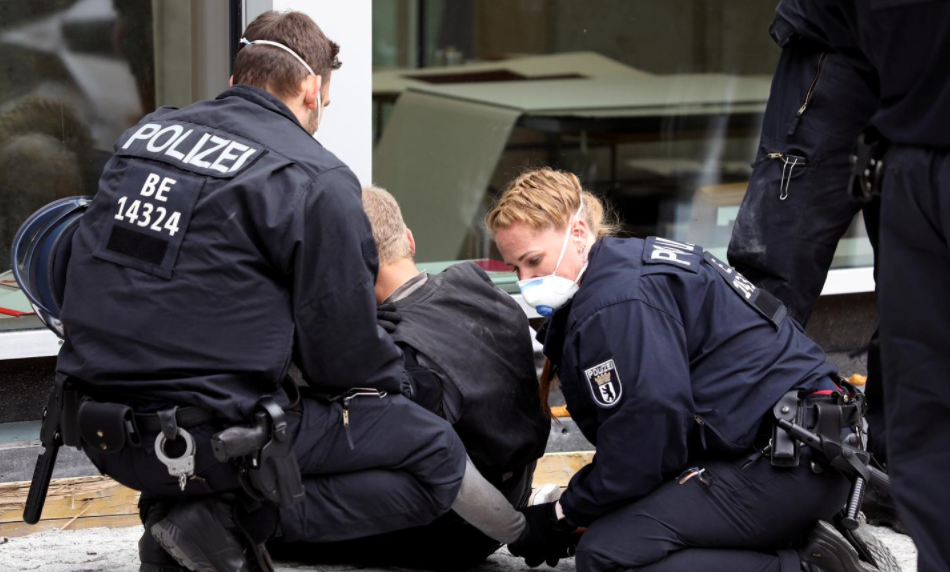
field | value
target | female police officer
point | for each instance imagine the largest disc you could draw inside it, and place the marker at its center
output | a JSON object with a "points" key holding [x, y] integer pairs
{"points": [[670, 363]]}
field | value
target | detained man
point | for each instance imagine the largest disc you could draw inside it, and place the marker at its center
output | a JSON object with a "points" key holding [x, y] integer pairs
{"points": [[468, 352]]}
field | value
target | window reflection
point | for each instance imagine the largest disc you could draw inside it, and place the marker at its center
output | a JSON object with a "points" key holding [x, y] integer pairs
{"points": [[655, 104], [76, 74]]}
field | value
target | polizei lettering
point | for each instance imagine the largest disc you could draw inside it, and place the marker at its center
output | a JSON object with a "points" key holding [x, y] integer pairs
{"points": [[658, 250], [604, 383], [600, 369], [192, 147], [672, 251]]}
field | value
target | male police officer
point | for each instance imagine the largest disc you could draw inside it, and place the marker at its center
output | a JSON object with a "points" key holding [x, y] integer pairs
{"points": [[908, 41], [224, 242], [468, 353]]}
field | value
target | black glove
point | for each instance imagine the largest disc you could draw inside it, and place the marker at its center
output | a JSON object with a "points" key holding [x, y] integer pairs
{"points": [[545, 538], [387, 317]]}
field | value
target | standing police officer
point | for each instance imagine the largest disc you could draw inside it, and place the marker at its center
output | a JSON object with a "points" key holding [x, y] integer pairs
{"points": [[670, 363], [797, 206], [908, 41], [224, 243]]}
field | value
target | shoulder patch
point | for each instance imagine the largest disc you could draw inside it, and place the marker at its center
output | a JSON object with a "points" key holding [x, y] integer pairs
{"points": [[604, 383], [762, 301], [657, 250], [151, 212]]}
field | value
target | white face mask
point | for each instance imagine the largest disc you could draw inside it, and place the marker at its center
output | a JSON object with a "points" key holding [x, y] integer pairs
{"points": [[548, 293]]}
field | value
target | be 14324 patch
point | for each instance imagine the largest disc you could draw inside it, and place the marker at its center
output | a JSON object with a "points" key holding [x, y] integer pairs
{"points": [[604, 382]]}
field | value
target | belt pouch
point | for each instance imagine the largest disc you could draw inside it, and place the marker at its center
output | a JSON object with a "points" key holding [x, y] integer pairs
{"points": [[105, 426], [785, 449]]}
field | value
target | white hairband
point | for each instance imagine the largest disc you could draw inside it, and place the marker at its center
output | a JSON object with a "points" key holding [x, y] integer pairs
{"points": [[246, 42]]}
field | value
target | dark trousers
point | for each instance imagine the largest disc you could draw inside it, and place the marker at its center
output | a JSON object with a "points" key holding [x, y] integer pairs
{"points": [[742, 520], [914, 301], [404, 468], [786, 246], [447, 543]]}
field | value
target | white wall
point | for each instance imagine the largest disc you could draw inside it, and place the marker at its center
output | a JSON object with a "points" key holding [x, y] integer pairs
{"points": [[347, 128]]}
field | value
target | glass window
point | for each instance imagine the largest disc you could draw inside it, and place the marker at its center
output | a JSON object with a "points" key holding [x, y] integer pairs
{"points": [[76, 74], [656, 105]]}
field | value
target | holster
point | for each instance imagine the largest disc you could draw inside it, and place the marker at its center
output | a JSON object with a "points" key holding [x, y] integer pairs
{"points": [[827, 415], [867, 165], [833, 426], [268, 469]]}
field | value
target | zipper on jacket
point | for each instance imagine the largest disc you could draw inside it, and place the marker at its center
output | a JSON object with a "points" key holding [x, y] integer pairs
{"points": [[811, 88], [346, 422], [702, 430]]}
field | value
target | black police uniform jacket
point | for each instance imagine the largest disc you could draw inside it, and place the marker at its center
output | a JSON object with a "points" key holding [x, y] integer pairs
{"points": [[664, 355], [479, 340], [224, 241]]}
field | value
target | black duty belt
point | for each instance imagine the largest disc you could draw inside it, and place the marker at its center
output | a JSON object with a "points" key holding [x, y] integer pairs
{"points": [[185, 416], [108, 427]]}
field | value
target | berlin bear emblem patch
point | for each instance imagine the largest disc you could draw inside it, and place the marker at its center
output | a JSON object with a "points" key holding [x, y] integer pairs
{"points": [[604, 382]]}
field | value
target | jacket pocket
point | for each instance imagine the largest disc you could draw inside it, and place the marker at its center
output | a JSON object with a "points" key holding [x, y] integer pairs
{"points": [[813, 85], [777, 169], [808, 98]]}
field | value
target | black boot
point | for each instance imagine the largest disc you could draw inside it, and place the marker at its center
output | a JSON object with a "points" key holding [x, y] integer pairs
{"points": [[870, 546], [201, 535], [152, 556], [258, 523], [825, 550]]}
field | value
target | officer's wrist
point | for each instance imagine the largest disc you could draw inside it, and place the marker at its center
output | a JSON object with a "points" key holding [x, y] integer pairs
{"points": [[558, 511]]}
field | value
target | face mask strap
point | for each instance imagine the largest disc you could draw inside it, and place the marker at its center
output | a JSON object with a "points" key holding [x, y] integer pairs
{"points": [[319, 108], [247, 42], [567, 238]]}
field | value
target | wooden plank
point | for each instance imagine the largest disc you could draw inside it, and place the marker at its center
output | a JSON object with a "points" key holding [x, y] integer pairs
{"points": [[560, 411], [87, 502], [858, 379], [17, 529], [86, 497], [558, 468]]}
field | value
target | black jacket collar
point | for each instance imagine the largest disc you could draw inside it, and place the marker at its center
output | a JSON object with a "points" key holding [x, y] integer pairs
{"points": [[262, 98]]}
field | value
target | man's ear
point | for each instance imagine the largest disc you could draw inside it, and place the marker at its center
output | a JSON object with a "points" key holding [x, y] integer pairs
{"points": [[311, 87], [231, 81], [412, 242]]}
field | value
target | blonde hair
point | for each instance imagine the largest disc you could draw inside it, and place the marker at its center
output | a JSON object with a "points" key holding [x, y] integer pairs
{"points": [[389, 228], [545, 198]]}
